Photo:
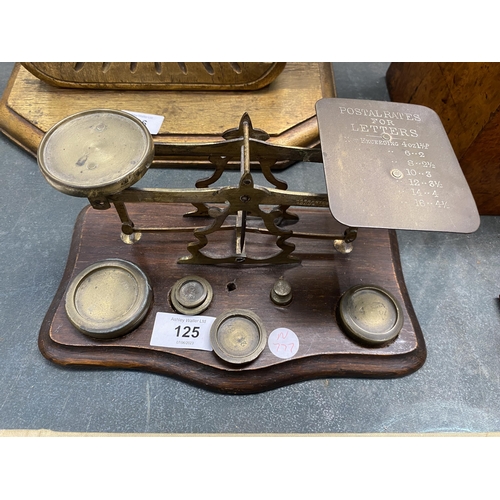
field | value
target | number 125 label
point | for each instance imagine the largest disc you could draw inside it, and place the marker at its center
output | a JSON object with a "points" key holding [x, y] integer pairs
{"points": [[182, 332]]}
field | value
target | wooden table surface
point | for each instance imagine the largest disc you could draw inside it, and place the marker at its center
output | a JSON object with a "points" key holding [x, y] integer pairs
{"points": [[453, 282]]}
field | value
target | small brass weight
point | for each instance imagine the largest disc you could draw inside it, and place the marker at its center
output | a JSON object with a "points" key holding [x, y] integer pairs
{"points": [[387, 165]]}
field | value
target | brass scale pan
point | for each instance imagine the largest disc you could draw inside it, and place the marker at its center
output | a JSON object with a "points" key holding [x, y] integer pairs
{"points": [[95, 153]]}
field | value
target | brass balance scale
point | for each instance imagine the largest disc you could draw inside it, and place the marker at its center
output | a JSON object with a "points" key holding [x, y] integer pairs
{"points": [[244, 288]]}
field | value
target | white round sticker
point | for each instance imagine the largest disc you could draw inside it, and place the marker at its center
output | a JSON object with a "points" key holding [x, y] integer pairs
{"points": [[283, 343]]}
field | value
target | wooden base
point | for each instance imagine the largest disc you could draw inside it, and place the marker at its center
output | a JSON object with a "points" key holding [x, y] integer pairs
{"points": [[317, 283], [285, 109], [466, 96]]}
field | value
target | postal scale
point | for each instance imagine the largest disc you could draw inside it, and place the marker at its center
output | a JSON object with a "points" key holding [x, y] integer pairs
{"points": [[244, 288]]}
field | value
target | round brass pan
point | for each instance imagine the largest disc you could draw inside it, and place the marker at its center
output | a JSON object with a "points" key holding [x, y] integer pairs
{"points": [[108, 299], [95, 153]]}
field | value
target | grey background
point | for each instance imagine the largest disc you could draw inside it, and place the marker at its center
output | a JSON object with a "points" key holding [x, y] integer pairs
{"points": [[453, 281]]}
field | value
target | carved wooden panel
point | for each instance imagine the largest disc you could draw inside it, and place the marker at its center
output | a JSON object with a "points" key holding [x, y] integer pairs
{"points": [[157, 75]]}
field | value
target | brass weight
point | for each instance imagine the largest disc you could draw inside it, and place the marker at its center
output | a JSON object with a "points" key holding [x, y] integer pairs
{"points": [[191, 295], [238, 336], [108, 299], [370, 315]]}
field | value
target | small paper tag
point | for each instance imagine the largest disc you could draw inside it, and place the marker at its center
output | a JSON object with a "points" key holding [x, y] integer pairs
{"points": [[152, 122], [283, 343], [182, 332]]}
